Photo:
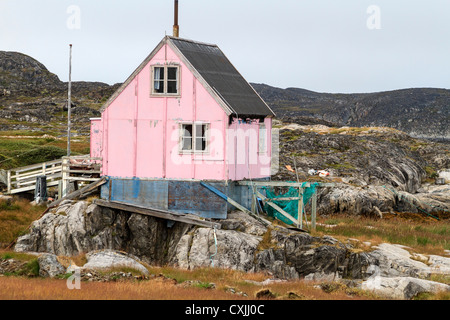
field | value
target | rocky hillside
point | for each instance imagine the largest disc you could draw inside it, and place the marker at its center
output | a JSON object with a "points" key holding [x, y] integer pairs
{"points": [[420, 112], [32, 98], [375, 169], [243, 243]]}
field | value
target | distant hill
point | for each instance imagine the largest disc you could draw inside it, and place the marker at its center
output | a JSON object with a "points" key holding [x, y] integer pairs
{"points": [[26, 84], [19, 72], [420, 112]]}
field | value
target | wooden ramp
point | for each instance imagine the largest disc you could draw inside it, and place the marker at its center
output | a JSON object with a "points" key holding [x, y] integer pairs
{"points": [[168, 215], [57, 172]]}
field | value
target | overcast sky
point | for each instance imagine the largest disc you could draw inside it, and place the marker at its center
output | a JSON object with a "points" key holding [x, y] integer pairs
{"points": [[322, 45]]}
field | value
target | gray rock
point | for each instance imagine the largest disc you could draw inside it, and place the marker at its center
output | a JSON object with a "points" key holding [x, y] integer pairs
{"points": [[391, 260], [234, 250], [403, 288], [108, 259], [49, 266]]}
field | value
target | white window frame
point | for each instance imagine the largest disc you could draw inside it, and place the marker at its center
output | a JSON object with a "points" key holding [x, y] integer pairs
{"points": [[166, 80], [194, 125]]}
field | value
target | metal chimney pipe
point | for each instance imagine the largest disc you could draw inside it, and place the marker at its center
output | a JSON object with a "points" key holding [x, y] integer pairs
{"points": [[176, 28]]}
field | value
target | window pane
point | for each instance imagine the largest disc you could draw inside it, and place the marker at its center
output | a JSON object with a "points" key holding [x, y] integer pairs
{"points": [[158, 79], [200, 130], [172, 87], [200, 137], [200, 144], [158, 73], [172, 73], [186, 137], [187, 143], [159, 87]]}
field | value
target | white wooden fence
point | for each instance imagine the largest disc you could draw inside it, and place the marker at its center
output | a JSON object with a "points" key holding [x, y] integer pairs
{"points": [[57, 172]]}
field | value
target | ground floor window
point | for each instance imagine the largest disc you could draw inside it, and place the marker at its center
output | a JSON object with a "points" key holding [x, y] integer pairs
{"points": [[194, 137]]}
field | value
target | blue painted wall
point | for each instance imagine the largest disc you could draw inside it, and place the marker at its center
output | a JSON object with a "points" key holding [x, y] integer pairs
{"points": [[177, 196]]}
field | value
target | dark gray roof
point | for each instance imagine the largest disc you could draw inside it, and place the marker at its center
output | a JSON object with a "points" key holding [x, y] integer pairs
{"points": [[215, 72], [218, 72]]}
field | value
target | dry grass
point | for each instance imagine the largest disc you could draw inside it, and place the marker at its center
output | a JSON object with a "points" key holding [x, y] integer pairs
{"points": [[160, 288], [421, 233], [15, 218]]}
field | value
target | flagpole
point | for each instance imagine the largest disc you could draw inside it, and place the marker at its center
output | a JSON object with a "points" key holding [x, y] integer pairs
{"points": [[69, 102]]}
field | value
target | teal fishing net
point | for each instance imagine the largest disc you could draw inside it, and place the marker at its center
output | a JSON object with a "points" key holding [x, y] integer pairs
{"points": [[290, 207]]}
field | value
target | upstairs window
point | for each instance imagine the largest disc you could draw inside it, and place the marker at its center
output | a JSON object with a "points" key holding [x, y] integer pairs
{"points": [[194, 138], [165, 80]]}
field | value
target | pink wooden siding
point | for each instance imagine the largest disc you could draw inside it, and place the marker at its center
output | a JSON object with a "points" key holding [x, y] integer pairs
{"points": [[96, 137], [245, 161], [140, 133]]}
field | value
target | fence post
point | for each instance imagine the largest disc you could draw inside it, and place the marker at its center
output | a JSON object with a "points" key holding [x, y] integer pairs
{"points": [[64, 176], [300, 208], [314, 211], [9, 181]]}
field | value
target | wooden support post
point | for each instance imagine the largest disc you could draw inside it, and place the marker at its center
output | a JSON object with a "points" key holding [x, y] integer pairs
{"points": [[65, 176], [253, 207], [314, 211], [300, 208], [9, 181]]}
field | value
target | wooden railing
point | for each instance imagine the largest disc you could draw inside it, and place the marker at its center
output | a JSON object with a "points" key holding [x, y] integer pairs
{"points": [[57, 172]]}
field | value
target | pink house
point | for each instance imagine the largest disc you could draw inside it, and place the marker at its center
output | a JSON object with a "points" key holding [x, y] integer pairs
{"points": [[185, 115]]}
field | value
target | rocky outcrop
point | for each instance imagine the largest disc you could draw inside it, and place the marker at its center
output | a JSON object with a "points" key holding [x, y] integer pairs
{"points": [[79, 227], [242, 243], [374, 169], [403, 288]]}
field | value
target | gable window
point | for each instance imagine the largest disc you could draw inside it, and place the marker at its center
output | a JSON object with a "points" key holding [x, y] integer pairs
{"points": [[165, 80], [194, 138]]}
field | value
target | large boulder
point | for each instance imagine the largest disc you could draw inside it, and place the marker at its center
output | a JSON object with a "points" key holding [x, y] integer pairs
{"points": [[49, 266], [110, 259], [403, 288]]}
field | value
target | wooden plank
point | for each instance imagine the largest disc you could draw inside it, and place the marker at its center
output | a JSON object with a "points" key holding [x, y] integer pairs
{"points": [[29, 188], [284, 184], [81, 179], [300, 208], [168, 215], [35, 166], [83, 171], [32, 179], [273, 205], [85, 157], [79, 193], [30, 174], [9, 181], [314, 211], [283, 199]]}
